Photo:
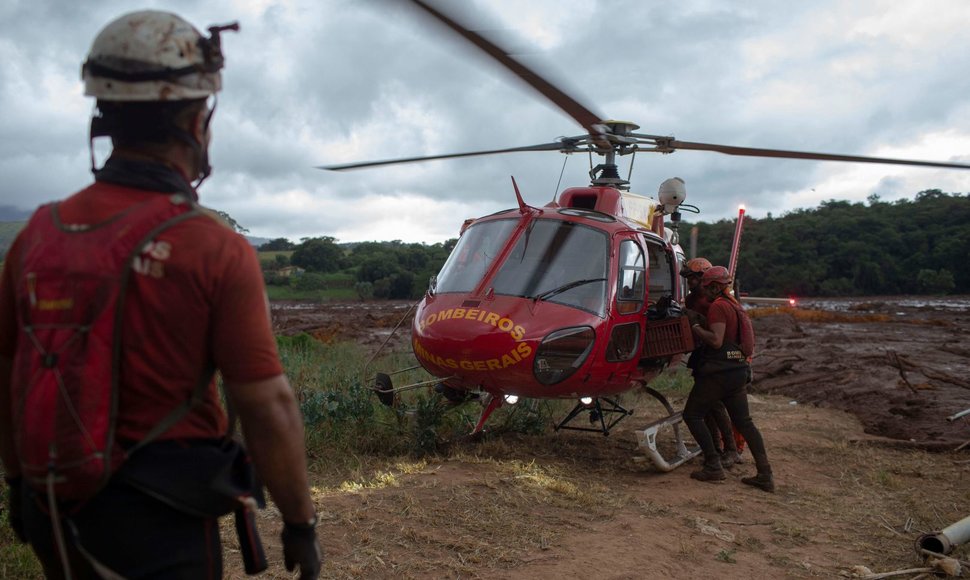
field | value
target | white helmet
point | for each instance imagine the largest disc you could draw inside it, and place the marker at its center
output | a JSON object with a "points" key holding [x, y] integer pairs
{"points": [[153, 56]]}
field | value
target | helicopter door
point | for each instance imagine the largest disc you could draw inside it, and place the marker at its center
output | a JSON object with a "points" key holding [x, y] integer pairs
{"points": [[631, 281], [660, 273], [624, 341]]}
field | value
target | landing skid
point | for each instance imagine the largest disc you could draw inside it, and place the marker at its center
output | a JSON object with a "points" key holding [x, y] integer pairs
{"points": [[598, 410], [647, 438]]}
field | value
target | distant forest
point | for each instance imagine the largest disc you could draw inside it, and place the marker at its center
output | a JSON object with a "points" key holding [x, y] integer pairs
{"points": [[918, 246]]}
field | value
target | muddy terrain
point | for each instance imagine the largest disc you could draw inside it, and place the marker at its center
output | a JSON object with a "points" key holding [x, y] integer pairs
{"points": [[852, 398], [899, 365]]}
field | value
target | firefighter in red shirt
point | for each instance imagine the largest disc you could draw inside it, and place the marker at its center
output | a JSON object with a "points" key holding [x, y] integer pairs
{"points": [[696, 300], [191, 302]]}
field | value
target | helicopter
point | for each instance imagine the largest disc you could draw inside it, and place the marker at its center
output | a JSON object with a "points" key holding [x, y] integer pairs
{"points": [[578, 299]]}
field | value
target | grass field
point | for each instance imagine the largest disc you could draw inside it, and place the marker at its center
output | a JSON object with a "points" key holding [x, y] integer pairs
{"points": [[263, 256], [350, 435], [290, 293]]}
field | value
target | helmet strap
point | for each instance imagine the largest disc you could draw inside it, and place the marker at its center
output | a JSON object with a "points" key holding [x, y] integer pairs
{"points": [[201, 151], [205, 168], [97, 128]]}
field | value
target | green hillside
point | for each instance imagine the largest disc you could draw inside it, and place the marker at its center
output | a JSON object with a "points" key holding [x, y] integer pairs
{"points": [[916, 246], [908, 246], [8, 231]]}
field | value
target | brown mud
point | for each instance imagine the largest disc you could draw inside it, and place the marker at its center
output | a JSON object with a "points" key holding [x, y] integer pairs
{"points": [[901, 366]]}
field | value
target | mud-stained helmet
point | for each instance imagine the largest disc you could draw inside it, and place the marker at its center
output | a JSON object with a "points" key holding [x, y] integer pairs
{"points": [[718, 274], [695, 267], [153, 56]]}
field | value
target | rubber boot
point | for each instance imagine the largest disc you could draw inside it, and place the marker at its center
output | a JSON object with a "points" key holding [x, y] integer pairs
{"points": [[711, 471], [730, 457], [763, 480]]}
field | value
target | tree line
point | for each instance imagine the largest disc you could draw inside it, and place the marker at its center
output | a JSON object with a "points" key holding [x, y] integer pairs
{"points": [[840, 248], [392, 270], [917, 246]]}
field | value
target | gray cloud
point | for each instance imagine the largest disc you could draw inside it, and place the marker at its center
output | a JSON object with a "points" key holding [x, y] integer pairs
{"points": [[312, 83]]}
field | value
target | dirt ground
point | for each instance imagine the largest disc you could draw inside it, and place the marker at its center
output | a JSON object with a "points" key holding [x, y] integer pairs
{"points": [[851, 396]]}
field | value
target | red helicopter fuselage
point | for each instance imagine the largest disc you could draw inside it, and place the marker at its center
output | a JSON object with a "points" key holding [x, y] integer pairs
{"points": [[552, 302]]}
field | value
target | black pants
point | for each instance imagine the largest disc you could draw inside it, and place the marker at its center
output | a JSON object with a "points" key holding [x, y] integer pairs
{"points": [[718, 421], [132, 534], [728, 387]]}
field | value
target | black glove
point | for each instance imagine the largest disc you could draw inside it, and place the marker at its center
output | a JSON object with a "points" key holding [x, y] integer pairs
{"points": [[15, 507], [300, 548]]}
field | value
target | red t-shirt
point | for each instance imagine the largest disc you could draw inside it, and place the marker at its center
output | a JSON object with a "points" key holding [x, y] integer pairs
{"points": [[723, 311], [203, 302]]}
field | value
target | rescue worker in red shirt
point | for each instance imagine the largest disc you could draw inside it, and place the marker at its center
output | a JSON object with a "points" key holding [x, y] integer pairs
{"points": [[720, 375], [194, 302], [696, 300], [697, 303]]}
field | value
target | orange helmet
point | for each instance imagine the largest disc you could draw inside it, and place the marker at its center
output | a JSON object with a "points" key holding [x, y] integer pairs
{"points": [[717, 274], [695, 266]]}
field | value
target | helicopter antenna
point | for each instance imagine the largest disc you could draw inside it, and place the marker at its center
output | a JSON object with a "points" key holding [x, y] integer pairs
{"points": [[629, 175], [523, 208], [558, 183]]}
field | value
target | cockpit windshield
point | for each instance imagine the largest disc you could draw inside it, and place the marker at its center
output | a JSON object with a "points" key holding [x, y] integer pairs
{"points": [[558, 261], [553, 260], [473, 255]]}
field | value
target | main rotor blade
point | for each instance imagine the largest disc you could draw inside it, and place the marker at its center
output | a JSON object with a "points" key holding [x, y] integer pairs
{"points": [[583, 115], [755, 152], [555, 146]]}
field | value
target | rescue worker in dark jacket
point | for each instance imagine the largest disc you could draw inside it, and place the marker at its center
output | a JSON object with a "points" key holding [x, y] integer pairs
{"points": [[193, 302], [721, 374]]}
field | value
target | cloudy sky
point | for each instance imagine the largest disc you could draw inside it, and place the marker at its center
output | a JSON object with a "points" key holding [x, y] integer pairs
{"points": [[315, 82]]}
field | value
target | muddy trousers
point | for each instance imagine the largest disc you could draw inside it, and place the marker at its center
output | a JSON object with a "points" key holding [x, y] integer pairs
{"points": [[132, 534], [730, 388], [718, 421]]}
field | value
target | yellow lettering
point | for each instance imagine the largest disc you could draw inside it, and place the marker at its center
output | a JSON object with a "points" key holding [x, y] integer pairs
{"points": [[58, 304], [523, 349], [459, 313], [505, 325], [445, 315], [419, 350], [467, 365], [508, 361], [517, 333], [492, 319], [493, 364]]}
